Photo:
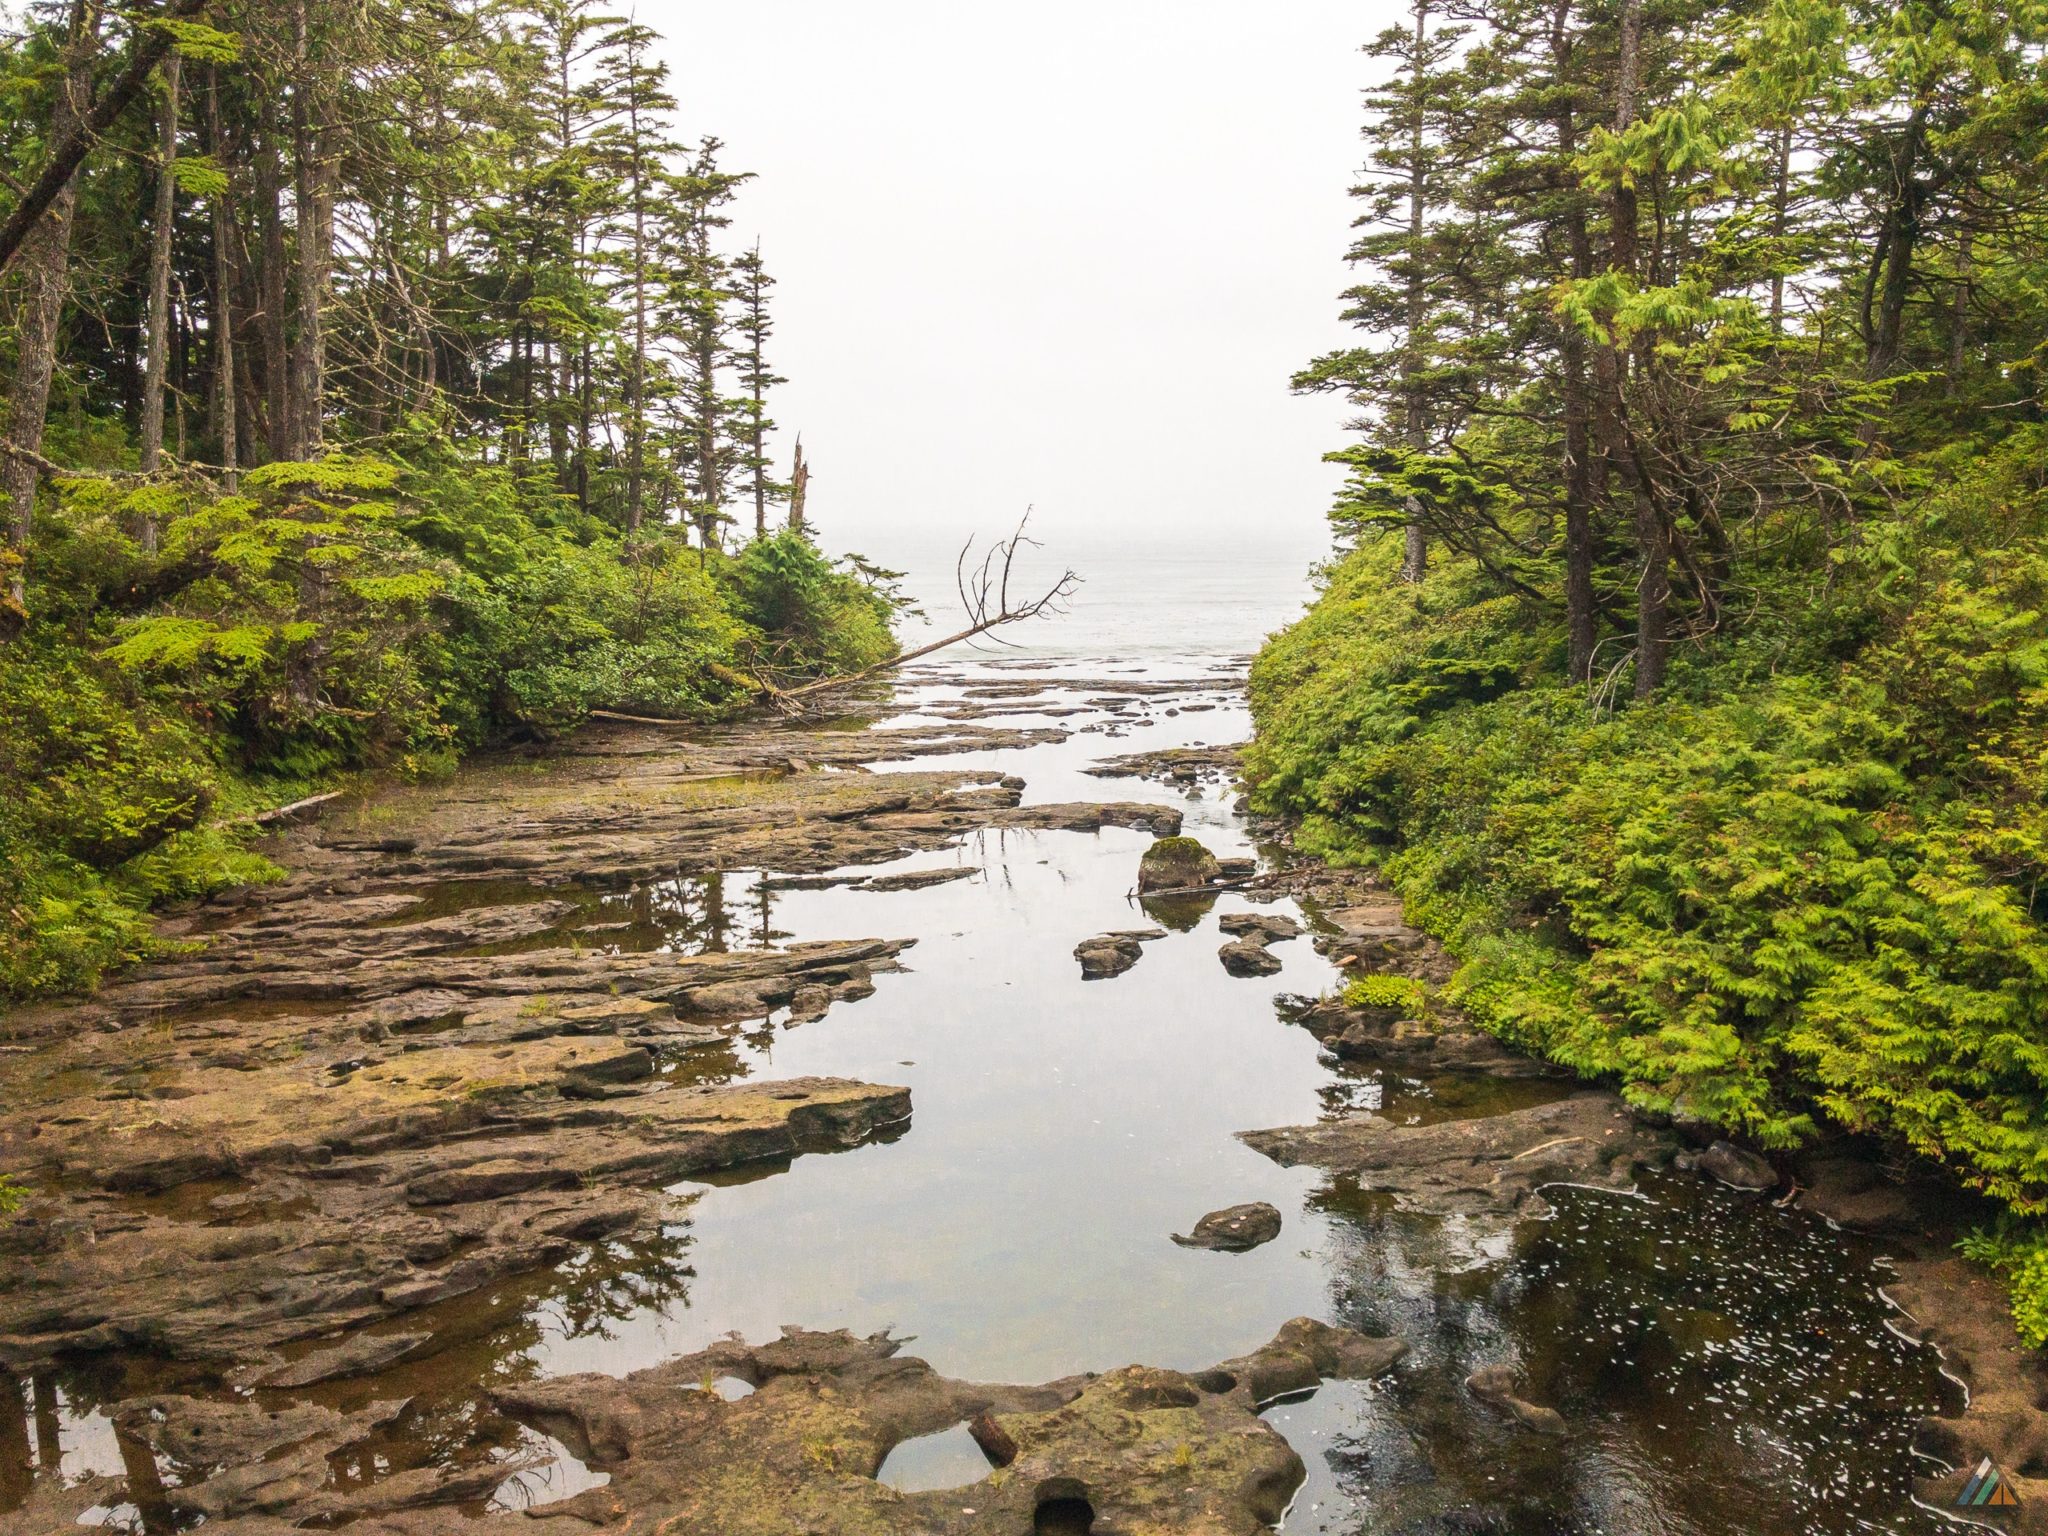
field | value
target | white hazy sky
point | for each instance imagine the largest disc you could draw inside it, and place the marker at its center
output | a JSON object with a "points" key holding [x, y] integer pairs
{"points": [[1063, 254]]}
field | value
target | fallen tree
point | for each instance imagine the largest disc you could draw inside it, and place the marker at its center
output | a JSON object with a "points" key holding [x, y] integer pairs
{"points": [[985, 597]]}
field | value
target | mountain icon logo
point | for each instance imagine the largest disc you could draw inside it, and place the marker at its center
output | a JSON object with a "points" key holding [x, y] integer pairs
{"points": [[1987, 1488]]}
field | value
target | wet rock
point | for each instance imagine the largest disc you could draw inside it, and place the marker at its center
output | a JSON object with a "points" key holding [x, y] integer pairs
{"points": [[1495, 1384], [1301, 1355], [1173, 765], [1111, 954], [1248, 957], [1234, 1229], [1734, 1166], [264, 1461], [919, 879], [1491, 1166], [363, 1355], [1857, 1192], [1264, 927], [405, 1202], [1966, 1312], [1176, 864], [1143, 1449]]}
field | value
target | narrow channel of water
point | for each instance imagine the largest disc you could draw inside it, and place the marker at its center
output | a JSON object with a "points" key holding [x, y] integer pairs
{"points": [[1722, 1366]]}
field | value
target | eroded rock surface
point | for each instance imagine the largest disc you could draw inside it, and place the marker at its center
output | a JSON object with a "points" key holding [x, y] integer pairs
{"points": [[1494, 1165], [1146, 1452], [1248, 957], [434, 1056]]}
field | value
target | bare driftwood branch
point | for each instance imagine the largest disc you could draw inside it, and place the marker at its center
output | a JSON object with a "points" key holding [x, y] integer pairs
{"points": [[287, 812], [985, 595]]}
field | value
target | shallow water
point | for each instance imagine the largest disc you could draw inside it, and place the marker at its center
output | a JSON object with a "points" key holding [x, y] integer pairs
{"points": [[1724, 1367]]}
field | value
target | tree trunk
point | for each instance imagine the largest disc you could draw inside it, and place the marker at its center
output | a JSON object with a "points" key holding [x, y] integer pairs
{"points": [[1415, 546], [315, 242], [636, 432], [756, 443], [1959, 311], [799, 487], [72, 139], [279, 437], [41, 261], [1653, 537], [1899, 233], [159, 343], [1580, 614], [1781, 204]]}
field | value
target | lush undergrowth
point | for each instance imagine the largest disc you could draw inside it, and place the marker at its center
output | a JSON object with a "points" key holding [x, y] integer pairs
{"points": [[1802, 884], [337, 616]]}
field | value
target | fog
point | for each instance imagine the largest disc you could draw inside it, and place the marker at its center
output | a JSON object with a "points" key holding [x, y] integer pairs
{"points": [[1062, 255]]}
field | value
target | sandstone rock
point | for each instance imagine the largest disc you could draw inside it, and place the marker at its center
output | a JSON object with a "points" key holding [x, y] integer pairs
{"points": [[1493, 1166], [1248, 957], [1111, 954], [1234, 1228], [1265, 927], [919, 879], [361, 1356], [1175, 864]]}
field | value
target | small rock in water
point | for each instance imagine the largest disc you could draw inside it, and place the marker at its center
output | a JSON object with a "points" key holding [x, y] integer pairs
{"points": [[1234, 1229], [1495, 1384], [1265, 927], [1732, 1165], [1248, 957], [1177, 864], [1111, 954]]}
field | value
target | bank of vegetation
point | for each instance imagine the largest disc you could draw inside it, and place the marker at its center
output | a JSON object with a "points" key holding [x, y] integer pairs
{"points": [[1685, 663], [380, 379]]}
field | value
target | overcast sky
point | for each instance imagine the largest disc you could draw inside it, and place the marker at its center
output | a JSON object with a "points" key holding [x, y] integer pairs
{"points": [[1063, 254]]}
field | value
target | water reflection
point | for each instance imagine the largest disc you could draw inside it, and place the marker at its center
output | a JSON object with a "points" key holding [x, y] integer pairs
{"points": [[1720, 1365]]}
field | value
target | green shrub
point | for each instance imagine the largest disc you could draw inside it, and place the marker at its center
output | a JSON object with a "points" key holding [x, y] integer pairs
{"points": [[1382, 991], [341, 614], [1808, 880]]}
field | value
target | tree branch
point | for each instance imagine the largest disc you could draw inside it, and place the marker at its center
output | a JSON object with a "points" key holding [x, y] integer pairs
{"points": [[68, 153]]}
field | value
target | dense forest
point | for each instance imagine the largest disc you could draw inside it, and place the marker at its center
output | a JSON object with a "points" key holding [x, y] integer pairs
{"points": [[380, 379], [1686, 663]]}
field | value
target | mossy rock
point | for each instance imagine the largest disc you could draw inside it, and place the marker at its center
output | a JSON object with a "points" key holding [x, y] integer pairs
{"points": [[1177, 864]]}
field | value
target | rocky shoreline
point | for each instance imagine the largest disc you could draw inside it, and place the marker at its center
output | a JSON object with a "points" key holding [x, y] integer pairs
{"points": [[435, 1059]]}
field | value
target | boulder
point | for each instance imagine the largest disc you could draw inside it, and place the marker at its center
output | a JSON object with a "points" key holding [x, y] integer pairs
{"points": [[1266, 927], [1111, 954], [1234, 1229], [1248, 957], [1734, 1166], [1177, 864]]}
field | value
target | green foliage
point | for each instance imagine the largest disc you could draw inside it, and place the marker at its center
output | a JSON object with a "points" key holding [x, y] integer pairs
{"points": [[2020, 1251], [342, 613], [12, 1193], [823, 619], [1382, 991], [1805, 881]]}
